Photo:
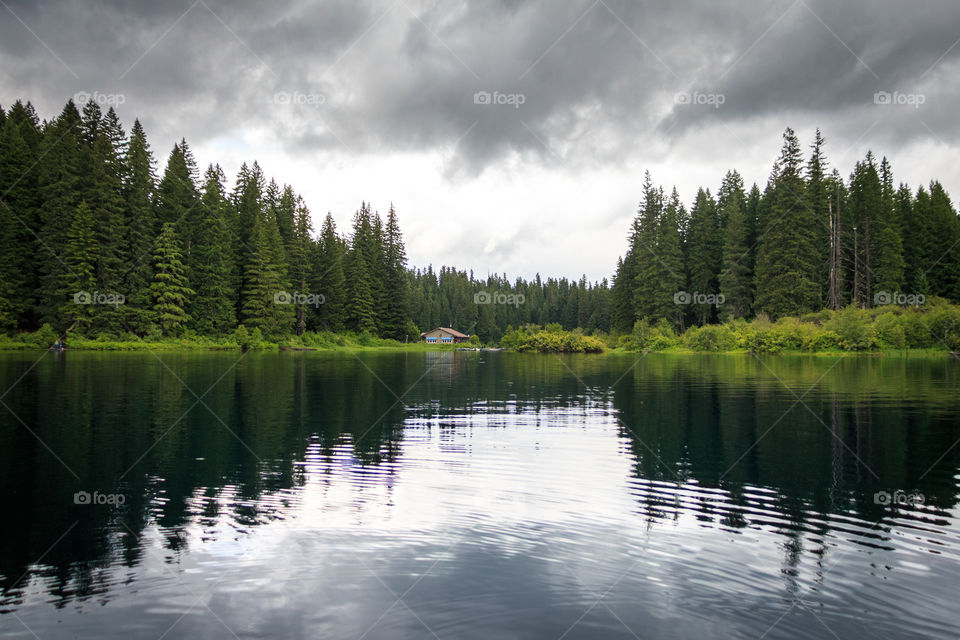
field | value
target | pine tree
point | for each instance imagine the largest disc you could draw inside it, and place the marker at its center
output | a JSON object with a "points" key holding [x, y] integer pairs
{"points": [[176, 195], [786, 273], [819, 201], [362, 265], [266, 295], [888, 270], [19, 216], [300, 255], [395, 261], [669, 278], [735, 280], [213, 307], [704, 253], [328, 278], [943, 266], [81, 255], [865, 201], [169, 288], [104, 194], [140, 223], [643, 250], [59, 190]]}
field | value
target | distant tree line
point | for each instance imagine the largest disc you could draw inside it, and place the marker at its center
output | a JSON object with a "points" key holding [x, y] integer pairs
{"points": [[92, 240], [808, 241]]}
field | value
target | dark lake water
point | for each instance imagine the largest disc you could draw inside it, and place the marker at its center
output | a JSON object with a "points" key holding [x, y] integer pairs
{"points": [[478, 495]]}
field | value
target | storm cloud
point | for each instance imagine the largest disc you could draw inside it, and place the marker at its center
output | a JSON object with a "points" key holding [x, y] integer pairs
{"points": [[510, 106]]}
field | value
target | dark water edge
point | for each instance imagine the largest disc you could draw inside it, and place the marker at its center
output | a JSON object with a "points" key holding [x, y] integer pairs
{"points": [[299, 495]]}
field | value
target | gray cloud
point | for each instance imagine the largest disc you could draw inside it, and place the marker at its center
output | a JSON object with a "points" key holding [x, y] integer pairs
{"points": [[599, 82], [597, 79]]}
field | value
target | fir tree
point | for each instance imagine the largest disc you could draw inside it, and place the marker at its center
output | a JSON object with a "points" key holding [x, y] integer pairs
{"points": [[300, 254], [80, 282], [169, 287], [328, 277], [704, 253], [735, 280], [888, 270], [19, 216], [395, 280], [786, 273], [140, 222], [213, 307], [267, 300], [59, 190]]}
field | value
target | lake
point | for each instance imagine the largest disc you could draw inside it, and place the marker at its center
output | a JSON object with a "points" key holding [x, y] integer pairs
{"points": [[478, 495]]}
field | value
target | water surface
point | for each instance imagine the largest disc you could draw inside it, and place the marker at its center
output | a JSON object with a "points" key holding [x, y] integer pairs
{"points": [[477, 495]]}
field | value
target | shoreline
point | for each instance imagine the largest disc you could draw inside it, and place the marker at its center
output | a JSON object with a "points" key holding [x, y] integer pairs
{"points": [[103, 346]]}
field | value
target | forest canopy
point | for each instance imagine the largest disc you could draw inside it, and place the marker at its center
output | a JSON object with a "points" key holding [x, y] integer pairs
{"points": [[96, 241]]}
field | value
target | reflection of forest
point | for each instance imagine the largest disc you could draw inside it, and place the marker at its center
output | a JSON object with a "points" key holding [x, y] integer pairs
{"points": [[698, 428]]}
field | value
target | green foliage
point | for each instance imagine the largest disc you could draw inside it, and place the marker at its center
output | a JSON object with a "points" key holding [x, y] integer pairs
{"points": [[853, 329], [944, 326], [890, 333], [787, 266], [550, 340], [169, 286]]}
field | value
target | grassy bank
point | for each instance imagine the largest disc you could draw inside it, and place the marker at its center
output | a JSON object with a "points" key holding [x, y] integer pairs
{"points": [[925, 330], [240, 340]]}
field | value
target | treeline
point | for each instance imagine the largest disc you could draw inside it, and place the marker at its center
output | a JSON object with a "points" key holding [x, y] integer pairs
{"points": [[92, 240], [809, 241], [491, 307]]}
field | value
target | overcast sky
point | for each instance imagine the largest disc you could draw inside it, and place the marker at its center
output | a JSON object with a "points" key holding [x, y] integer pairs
{"points": [[351, 100]]}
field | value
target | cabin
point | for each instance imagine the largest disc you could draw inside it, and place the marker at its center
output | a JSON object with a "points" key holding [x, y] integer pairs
{"points": [[444, 335]]}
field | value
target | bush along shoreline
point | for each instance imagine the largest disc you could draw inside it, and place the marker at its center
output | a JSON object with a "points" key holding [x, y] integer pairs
{"points": [[931, 328]]}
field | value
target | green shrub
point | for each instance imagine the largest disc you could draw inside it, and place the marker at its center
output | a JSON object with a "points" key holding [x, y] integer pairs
{"points": [[43, 337], [853, 330], [943, 324], [544, 341], [711, 337], [889, 331]]}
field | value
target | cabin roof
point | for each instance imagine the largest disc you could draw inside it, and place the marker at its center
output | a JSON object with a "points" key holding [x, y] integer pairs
{"points": [[453, 332]]}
